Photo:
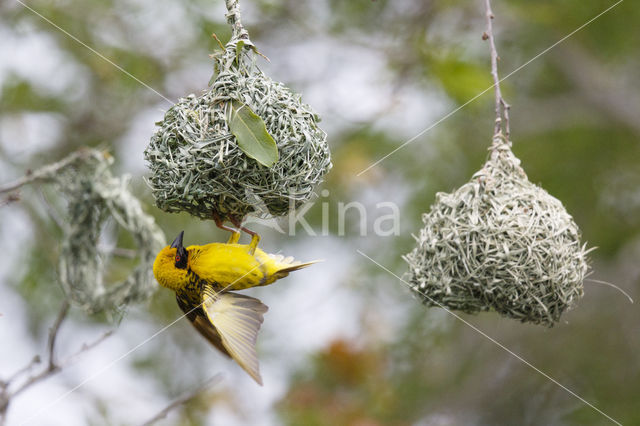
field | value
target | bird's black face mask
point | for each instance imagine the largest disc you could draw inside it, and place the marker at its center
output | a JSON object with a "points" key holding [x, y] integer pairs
{"points": [[181, 252]]}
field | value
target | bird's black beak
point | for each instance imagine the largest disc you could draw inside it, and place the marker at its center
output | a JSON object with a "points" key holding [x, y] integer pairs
{"points": [[177, 243]]}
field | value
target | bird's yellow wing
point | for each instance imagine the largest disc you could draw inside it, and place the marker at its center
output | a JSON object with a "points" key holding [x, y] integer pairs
{"points": [[237, 319], [230, 266], [200, 321]]}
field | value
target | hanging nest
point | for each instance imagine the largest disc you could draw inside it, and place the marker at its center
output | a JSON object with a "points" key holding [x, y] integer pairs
{"points": [[499, 243], [94, 196], [197, 165]]}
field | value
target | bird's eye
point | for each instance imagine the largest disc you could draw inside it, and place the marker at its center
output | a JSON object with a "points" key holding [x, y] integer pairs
{"points": [[181, 259]]}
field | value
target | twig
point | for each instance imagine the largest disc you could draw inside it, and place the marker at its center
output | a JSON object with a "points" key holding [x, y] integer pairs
{"points": [[11, 198], [84, 348], [53, 365], [6, 395], [501, 108], [34, 361], [45, 172], [53, 333], [235, 21], [237, 30], [183, 399]]}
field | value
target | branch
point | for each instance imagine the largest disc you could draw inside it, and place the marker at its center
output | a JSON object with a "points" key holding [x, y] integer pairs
{"points": [[53, 333], [501, 108], [84, 348], [237, 30], [183, 399], [11, 198], [45, 172], [234, 19], [5, 394], [34, 361], [53, 365]]}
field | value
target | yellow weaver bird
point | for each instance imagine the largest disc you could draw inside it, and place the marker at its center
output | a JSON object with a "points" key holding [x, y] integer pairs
{"points": [[202, 276]]}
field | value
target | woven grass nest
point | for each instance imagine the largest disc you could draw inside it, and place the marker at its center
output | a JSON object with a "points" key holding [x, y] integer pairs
{"points": [[499, 243], [197, 165]]}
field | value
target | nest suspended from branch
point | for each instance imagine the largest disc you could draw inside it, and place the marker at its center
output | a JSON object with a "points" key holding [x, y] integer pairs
{"points": [[499, 243], [94, 196], [197, 165]]}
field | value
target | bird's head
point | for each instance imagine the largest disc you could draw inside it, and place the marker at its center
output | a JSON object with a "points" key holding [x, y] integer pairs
{"points": [[170, 266]]}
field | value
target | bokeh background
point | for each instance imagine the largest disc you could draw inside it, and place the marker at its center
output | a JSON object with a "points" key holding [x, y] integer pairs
{"points": [[344, 342]]}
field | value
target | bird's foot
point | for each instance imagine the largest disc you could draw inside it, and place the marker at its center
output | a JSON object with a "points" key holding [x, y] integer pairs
{"points": [[253, 245], [235, 234], [255, 238], [233, 238]]}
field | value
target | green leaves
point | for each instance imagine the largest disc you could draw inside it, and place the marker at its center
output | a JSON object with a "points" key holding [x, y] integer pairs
{"points": [[239, 47], [251, 134]]}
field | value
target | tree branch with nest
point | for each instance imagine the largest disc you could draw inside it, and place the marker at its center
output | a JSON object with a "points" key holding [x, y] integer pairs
{"points": [[501, 107]]}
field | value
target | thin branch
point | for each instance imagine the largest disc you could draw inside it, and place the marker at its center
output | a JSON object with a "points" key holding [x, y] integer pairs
{"points": [[11, 198], [183, 399], [53, 365], [501, 107], [34, 361], [84, 348], [235, 21], [45, 172], [53, 333], [6, 395]]}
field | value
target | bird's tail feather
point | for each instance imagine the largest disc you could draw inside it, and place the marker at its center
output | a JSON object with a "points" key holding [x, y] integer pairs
{"points": [[289, 264]]}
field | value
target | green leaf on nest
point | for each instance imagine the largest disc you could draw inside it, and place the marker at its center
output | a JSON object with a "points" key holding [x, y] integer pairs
{"points": [[251, 134], [239, 47]]}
